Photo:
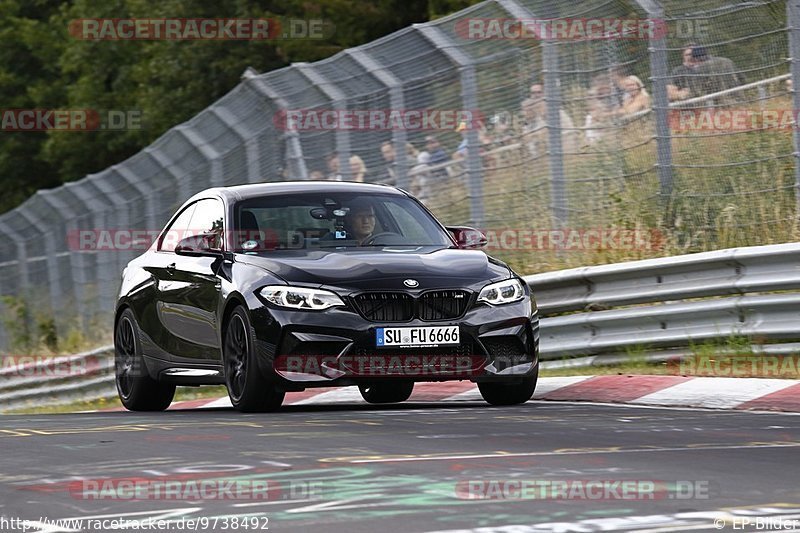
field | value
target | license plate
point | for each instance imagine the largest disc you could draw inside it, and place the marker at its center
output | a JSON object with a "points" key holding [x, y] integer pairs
{"points": [[420, 336]]}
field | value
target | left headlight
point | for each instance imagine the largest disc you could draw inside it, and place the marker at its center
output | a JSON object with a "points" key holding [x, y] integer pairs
{"points": [[300, 297], [502, 292]]}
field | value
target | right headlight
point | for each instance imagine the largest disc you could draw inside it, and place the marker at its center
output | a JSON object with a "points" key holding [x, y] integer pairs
{"points": [[300, 297], [502, 292]]}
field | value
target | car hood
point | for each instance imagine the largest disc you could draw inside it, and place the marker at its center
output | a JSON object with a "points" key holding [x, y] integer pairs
{"points": [[382, 269]]}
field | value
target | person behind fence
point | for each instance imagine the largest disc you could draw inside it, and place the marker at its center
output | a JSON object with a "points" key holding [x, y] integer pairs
{"points": [[332, 162], [389, 157], [389, 175], [484, 139], [438, 155], [502, 129], [604, 88], [712, 74], [597, 117], [618, 74], [461, 150], [534, 128], [636, 97], [358, 170], [420, 176], [679, 86]]}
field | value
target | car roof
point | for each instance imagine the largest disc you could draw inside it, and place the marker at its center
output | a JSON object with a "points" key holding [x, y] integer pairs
{"points": [[243, 192]]}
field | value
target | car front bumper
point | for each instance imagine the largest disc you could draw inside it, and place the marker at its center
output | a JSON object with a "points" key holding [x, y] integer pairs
{"points": [[299, 349]]}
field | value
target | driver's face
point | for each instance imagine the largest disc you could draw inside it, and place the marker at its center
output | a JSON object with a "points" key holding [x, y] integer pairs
{"points": [[363, 222]]}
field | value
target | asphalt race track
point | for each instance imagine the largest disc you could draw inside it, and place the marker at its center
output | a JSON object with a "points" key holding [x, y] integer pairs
{"points": [[405, 468]]}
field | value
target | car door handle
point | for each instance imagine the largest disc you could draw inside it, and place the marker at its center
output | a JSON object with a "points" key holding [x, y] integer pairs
{"points": [[171, 268]]}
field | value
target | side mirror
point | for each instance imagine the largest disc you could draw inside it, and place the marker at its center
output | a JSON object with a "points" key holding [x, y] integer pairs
{"points": [[205, 244], [468, 238]]}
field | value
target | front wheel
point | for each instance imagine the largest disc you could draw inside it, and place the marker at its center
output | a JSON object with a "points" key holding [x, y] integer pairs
{"points": [[247, 389], [392, 392], [501, 393], [137, 390]]}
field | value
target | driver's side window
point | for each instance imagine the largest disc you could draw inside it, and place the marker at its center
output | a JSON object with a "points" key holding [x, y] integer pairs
{"points": [[207, 222], [178, 230]]}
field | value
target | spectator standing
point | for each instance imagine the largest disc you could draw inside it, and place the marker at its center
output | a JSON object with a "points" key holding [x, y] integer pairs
{"points": [[420, 175], [534, 114], [390, 174], [437, 155], [358, 170], [484, 139], [597, 117], [679, 86], [332, 162], [712, 74], [389, 157]]}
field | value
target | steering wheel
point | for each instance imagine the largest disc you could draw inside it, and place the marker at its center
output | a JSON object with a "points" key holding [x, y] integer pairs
{"points": [[371, 240]]}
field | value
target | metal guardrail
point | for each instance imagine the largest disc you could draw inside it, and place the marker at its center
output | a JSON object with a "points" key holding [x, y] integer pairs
{"points": [[659, 306], [690, 299], [58, 381]]}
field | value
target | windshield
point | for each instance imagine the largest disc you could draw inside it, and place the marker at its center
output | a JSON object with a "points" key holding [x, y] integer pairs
{"points": [[333, 220]]}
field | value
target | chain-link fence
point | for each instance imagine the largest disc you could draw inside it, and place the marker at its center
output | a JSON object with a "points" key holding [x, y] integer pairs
{"points": [[669, 117]]}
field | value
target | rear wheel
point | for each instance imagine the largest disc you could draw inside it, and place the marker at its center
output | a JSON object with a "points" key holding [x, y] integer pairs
{"points": [[247, 389], [502, 393], [392, 392], [137, 390]]}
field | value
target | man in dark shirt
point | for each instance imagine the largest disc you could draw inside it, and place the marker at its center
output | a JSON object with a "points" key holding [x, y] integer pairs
{"points": [[712, 74], [438, 155], [679, 86]]}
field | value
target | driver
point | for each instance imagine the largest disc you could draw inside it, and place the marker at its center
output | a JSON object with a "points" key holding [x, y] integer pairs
{"points": [[360, 222]]}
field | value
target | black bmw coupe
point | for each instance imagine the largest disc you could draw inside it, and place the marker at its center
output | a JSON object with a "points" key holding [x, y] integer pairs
{"points": [[280, 287]]}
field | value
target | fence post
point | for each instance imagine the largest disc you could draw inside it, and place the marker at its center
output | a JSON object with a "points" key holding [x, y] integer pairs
{"points": [[469, 99], [396, 101], [339, 103], [134, 181], [793, 22], [659, 75], [250, 143], [121, 209], [22, 255], [22, 284], [296, 163], [108, 271], [552, 97], [82, 268]]}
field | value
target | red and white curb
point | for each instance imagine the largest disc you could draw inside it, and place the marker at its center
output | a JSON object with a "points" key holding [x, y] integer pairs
{"points": [[669, 391]]}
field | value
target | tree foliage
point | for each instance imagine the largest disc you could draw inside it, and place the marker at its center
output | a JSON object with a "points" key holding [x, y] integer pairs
{"points": [[42, 66]]}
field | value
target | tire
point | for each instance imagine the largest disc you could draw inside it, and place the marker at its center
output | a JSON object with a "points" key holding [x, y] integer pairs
{"points": [[503, 393], [392, 392], [248, 390], [136, 389]]}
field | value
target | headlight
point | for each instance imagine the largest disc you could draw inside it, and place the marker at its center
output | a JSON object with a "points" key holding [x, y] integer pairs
{"points": [[502, 292], [300, 297]]}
